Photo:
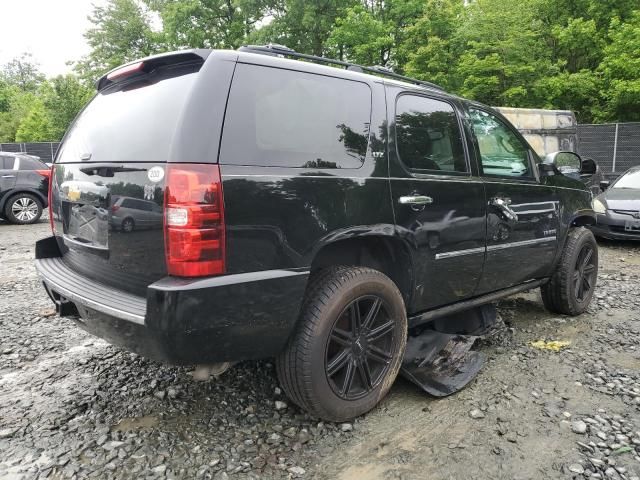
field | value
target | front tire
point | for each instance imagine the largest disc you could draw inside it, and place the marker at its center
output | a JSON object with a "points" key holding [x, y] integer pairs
{"points": [[348, 346], [571, 287], [23, 209], [128, 225]]}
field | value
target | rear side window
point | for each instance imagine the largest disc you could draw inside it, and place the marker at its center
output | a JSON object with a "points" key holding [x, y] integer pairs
{"points": [[287, 118], [136, 204], [6, 163], [428, 135], [132, 122], [32, 164]]}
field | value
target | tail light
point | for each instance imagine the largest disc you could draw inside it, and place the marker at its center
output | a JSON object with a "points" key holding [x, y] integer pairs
{"points": [[194, 220], [115, 208], [44, 173], [50, 196]]}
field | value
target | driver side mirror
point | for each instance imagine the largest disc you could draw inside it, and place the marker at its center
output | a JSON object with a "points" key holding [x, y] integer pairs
{"points": [[604, 184], [564, 161]]}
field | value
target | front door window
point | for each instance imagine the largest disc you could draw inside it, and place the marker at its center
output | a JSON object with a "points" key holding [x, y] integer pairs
{"points": [[502, 153]]}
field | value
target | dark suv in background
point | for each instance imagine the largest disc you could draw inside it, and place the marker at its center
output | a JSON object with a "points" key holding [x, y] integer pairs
{"points": [[24, 187], [310, 213]]}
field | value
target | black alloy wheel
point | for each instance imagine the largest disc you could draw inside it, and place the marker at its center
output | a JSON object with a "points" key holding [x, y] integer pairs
{"points": [[583, 276], [360, 348], [572, 285], [348, 345]]}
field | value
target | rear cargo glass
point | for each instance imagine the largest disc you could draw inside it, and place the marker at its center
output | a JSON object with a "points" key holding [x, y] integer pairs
{"points": [[130, 122]]}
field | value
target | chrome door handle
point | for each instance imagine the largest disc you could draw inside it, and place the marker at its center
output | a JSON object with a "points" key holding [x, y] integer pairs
{"points": [[8, 176], [503, 204], [415, 200]]}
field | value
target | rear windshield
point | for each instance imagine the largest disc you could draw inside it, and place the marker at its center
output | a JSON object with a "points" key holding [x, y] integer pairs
{"points": [[130, 122]]}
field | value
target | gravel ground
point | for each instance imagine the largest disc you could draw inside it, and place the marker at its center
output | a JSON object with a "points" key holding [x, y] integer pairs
{"points": [[72, 406]]}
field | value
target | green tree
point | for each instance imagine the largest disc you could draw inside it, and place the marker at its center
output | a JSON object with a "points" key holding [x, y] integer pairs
{"points": [[502, 52], [207, 23], [36, 126], [373, 32], [430, 47], [17, 105], [63, 97], [121, 32], [620, 69], [23, 73], [304, 26], [362, 38]]}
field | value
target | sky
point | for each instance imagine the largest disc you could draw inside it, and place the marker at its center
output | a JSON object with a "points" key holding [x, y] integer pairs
{"points": [[51, 30]]}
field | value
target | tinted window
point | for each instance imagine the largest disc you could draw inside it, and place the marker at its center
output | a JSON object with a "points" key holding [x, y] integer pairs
{"points": [[428, 135], [136, 204], [32, 164], [130, 122], [286, 118], [6, 163], [501, 151]]}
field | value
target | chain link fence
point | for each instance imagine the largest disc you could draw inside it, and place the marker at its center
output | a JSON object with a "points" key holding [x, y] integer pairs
{"points": [[614, 146], [45, 150]]}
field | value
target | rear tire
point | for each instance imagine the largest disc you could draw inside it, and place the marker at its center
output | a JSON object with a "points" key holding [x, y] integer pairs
{"points": [[571, 287], [23, 209], [348, 346]]}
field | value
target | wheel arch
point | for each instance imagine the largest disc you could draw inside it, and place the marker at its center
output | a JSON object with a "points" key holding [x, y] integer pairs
{"points": [[583, 218], [17, 191], [387, 254]]}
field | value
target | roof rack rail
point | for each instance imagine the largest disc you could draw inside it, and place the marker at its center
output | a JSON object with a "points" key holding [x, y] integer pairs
{"points": [[283, 51]]}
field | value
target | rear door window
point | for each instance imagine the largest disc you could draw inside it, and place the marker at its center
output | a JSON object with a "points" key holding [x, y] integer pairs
{"points": [[428, 135], [286, 118], [6, 162]]}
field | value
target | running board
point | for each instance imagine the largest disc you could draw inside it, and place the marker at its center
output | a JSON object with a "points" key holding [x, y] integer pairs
{"points": [[430, 315]]}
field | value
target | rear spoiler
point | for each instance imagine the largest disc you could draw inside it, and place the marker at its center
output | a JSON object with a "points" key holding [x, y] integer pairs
{"points": [[145, 65]]}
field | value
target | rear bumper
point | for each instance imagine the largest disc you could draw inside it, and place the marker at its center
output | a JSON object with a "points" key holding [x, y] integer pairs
{"points": [[181, 321]]}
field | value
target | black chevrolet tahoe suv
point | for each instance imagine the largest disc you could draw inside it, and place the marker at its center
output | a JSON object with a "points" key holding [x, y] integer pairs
{"points": [[312, 213]]}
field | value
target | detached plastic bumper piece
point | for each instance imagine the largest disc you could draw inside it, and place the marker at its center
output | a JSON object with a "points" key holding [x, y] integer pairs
{"points": [[443, 363]]}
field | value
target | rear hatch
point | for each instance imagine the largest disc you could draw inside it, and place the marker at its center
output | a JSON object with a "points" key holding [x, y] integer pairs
{"points": [[108, 183]]}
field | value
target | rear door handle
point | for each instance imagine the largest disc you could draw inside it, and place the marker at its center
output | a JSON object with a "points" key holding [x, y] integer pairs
{"points": [[415, 200]]}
